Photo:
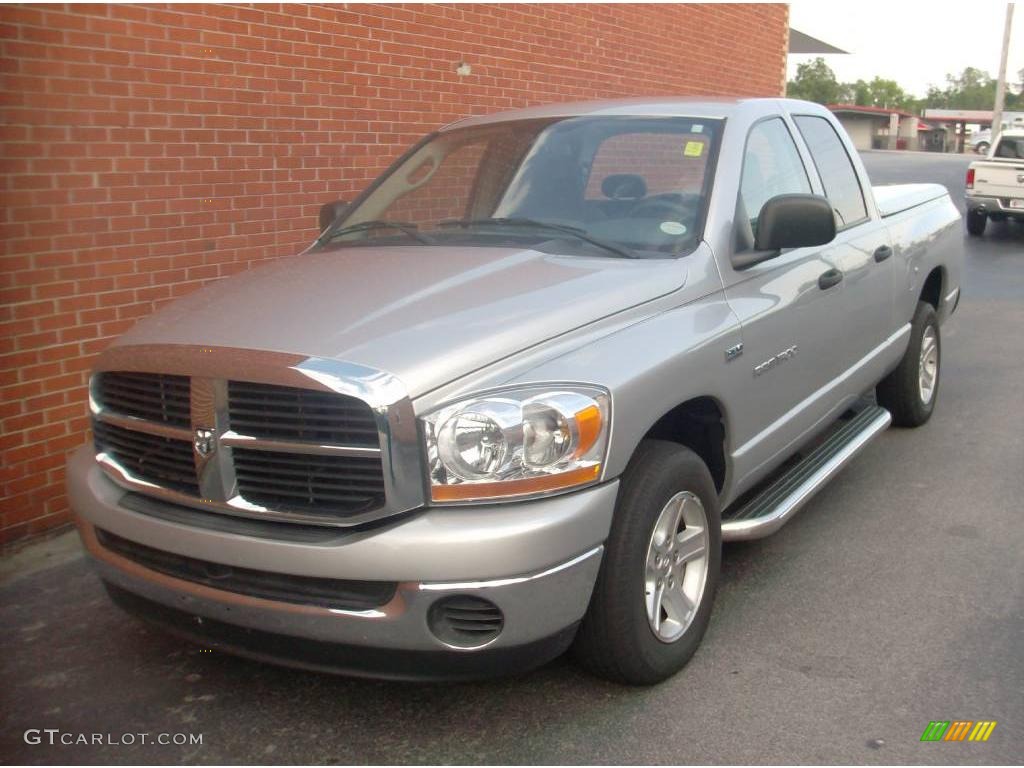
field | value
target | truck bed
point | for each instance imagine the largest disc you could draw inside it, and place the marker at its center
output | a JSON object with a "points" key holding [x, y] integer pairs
{"points": [[997, 177], [896, 198]]}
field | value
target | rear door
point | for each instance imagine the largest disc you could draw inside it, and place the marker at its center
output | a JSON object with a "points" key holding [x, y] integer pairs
{"points": [[861, 254]]}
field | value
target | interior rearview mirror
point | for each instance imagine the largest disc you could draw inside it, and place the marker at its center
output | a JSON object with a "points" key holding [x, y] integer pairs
{"points": [[795, 221], [330, 212]]}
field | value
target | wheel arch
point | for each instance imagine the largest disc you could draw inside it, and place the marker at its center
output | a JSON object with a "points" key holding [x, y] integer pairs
{"points": [[698, 423], [932, 288]]}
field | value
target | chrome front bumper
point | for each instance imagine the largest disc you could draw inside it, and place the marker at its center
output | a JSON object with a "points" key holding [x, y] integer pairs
{"points": [[537, 561]]}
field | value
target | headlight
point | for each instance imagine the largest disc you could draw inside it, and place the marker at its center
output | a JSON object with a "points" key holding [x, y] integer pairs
{"points": [[519, 442]]}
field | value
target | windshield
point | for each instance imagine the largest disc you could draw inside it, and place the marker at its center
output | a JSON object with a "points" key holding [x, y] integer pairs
{"points": [[617, 186]]}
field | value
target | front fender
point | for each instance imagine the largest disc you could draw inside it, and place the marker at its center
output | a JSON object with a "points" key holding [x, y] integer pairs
{"points": [[652, 366]]}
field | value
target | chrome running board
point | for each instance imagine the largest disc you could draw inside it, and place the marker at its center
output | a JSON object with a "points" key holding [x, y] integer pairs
{"points": [[773, 507]]}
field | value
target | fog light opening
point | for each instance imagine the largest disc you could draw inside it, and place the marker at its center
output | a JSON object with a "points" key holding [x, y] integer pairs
{"points": [[465, 621]]}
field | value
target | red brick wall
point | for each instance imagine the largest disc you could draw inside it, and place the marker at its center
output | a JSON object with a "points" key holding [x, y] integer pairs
{"points": [[149, 149]]}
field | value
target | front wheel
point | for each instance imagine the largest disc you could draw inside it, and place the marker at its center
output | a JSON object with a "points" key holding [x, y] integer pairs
{"points": [[982, 148], [976, 222], [910, 391], [652, 601]]}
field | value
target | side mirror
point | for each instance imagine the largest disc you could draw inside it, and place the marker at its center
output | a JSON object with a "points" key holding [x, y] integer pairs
{"points": [[795, 221], [330, 212]]}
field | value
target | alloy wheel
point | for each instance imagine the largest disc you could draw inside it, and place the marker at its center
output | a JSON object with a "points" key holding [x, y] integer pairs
{"points": [[676, 570]]}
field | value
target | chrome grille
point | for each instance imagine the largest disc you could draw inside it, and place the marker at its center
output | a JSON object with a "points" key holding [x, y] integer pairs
{"points": [[289, 413], [251, 449], [165, 461], [326, 485], [154, 396]]}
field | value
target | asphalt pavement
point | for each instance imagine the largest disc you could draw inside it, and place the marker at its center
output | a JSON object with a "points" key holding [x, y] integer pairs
{"points": [[896, 597]]}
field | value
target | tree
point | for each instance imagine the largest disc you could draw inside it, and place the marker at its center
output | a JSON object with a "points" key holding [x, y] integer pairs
{"points": [[878, 93], [887, 93], [1015, 101], [814, 81], [971, 89], [860, 93]]}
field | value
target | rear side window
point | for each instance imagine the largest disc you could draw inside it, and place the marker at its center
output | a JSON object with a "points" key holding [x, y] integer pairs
{"points": [[771, 166], [1011, 147], [835, 168]]}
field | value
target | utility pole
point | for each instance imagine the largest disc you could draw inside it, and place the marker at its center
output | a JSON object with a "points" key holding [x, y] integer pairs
{"points": [[997, 114]]}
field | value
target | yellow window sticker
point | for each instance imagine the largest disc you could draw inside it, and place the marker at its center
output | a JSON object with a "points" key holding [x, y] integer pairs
{"points": [[694, 149]]}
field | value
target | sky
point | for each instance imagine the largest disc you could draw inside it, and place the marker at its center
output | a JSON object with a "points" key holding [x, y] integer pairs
{"points": [[914, 43]]}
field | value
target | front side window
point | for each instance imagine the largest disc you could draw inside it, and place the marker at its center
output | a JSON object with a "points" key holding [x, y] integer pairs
{"points": [[835, 168], [771, 167], [637, 184]]}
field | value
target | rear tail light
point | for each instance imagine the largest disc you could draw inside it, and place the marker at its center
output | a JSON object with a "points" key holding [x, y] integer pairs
{"points": [[970, 178]]}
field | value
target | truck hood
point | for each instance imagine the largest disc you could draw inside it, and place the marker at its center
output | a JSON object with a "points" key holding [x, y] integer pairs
{"points": [[426, 314]]}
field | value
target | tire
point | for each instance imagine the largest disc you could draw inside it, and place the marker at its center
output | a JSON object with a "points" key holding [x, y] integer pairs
{"points": [[617, 639], [976, 223], [982, 148], [903, 392]]}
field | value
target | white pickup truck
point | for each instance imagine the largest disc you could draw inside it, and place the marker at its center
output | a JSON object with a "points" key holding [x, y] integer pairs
{"points": [[995, 185]]}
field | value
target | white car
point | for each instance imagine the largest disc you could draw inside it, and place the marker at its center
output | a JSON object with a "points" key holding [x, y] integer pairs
{"points": [[981, 141]]}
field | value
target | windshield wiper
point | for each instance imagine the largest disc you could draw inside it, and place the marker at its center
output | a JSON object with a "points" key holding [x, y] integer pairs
{"points": [[566, 229], [412, 230]]}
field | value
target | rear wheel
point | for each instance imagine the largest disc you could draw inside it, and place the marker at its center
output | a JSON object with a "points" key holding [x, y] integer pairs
{"points": [[910, 391], [652, 601], [982, 148], [976, 222]]}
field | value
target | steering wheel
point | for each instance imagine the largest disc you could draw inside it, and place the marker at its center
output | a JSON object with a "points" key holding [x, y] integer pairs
{"points": [[668, 206]]}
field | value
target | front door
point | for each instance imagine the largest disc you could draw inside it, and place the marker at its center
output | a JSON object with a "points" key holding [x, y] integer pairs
{"points": [[789, 310]]}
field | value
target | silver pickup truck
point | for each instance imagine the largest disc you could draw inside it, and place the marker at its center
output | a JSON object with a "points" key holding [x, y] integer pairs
{"points": [[518, 392]]}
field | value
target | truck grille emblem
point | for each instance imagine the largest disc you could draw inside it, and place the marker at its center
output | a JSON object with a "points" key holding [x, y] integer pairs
{"points": [[203, 441]]}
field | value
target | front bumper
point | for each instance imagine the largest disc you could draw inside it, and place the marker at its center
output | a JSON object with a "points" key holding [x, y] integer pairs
{"points": [[992, 205], [537, 561]]}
